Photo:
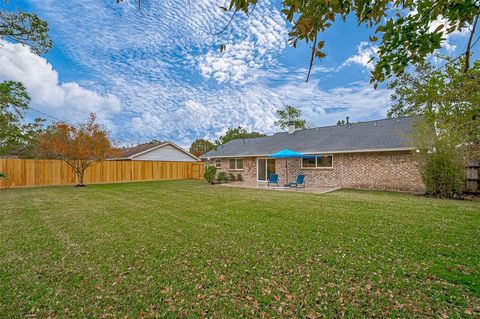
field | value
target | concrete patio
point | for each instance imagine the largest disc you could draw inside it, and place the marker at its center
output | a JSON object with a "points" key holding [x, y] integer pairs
{"points": [[264, 186]]}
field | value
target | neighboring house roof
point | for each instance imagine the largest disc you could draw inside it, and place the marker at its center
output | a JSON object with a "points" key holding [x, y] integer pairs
{"points": [[379, 135], [135, 151]]}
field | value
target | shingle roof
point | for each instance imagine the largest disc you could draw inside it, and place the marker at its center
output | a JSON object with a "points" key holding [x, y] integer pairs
{"points": [[131, 151], [385, 134]]}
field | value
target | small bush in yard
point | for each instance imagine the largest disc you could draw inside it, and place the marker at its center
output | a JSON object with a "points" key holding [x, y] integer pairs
{"points": [[240, 178], [3, 175], [210, 173], [443, 174], [222, 177], [232, 177], [441, 160]]}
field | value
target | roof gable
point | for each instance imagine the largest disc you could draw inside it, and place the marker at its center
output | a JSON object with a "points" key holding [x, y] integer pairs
{"points": [[133, 152]]}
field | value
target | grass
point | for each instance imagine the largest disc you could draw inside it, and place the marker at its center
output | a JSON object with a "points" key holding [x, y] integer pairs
{"points": [[187, 249]]}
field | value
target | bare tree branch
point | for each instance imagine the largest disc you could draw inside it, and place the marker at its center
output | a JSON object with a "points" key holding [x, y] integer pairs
{"points": [[228, 24], [469, 45], [312, 57]]}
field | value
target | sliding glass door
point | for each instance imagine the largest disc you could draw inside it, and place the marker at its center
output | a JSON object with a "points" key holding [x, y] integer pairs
{"points": [[265, 167]]}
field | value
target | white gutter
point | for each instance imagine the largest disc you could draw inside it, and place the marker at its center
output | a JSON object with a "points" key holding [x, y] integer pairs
{"points": [[323, 152]]}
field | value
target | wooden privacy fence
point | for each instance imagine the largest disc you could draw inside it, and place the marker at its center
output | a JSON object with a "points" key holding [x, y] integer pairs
{"points": [[472, 184], [28, 173]]}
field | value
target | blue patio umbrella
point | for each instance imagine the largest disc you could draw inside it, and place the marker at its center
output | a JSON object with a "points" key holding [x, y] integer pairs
{"points": [[286, 153]]}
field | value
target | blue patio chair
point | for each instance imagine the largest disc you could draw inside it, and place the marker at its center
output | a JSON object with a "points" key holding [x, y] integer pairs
{"points": [[300, 182], [272, 179]]}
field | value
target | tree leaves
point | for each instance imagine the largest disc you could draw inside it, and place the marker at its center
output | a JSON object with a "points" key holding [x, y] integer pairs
{"points": [[440, 27], [26, 28], [77, 145], [16, 137], [201, 146], [236, 133], [13, 95], [290, 114], [448, 97]]}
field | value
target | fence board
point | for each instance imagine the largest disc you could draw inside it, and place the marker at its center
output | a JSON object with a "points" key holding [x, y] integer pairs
{"points": [[30, 173]]}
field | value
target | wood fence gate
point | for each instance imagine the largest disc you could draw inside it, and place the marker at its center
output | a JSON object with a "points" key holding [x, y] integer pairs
{"points": [[472, 182]]}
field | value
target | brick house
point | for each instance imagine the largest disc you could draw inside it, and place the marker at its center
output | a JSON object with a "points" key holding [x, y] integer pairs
{"points": [[374, 154]]}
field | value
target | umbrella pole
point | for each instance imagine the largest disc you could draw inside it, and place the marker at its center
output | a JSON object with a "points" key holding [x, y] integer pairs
{"points": [[286, 171]]}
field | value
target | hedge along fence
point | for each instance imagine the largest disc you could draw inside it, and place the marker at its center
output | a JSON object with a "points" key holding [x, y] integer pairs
{"points": [[30, 173]]}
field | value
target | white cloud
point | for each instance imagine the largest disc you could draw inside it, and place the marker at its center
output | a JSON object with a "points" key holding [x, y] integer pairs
{"points": [[208, 114], [170, 29], [262, 35], [63, 100], [158, 64], [358, 100], [364, 55]]}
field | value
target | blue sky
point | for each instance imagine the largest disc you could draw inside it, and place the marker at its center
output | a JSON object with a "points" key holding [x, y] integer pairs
{"points": [[161, 75]]}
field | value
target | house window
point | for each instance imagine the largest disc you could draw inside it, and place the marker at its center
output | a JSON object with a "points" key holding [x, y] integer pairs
{"points": [[239, 163], [218, 163], [308, 162], [317, 161], [236, 163], [325, 161]]}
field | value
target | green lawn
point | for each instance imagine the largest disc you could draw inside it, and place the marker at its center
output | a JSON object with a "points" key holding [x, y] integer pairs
{"points": [[185, 248]]}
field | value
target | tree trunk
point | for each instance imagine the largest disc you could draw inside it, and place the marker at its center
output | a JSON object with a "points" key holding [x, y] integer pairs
{"points": [[80, 175]]}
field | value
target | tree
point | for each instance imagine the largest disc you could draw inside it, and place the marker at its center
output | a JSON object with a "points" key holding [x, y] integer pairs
{"points": [[341, 122], [28, 29], [235, 134], [16, 136], [25, 28], [201, 146], [448, 133], [402, 28], [441, 161], [79, 146], [448, 98], [290, 114]]}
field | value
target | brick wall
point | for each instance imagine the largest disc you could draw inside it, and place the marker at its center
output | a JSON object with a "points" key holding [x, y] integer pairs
{"points": [[379, 170], [249, 172]]}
